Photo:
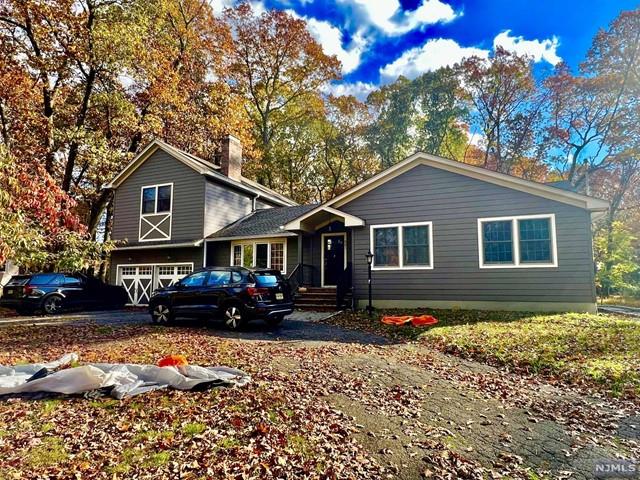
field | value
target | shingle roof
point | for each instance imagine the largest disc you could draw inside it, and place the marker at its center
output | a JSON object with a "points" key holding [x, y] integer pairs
{"points": [[263, 222], [204, 168], [563, 185]]}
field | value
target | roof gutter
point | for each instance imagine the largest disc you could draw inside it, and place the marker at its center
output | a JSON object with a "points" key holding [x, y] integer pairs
{"points": [[196, 243], [251, 237]]}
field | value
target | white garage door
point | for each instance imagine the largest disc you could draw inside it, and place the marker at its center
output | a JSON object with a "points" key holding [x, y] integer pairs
{"points": [[141, 280], [170, 274], [138, 282]]}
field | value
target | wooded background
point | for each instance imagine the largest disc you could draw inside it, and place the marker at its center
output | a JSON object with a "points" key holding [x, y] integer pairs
{"points": [[85, 84]]}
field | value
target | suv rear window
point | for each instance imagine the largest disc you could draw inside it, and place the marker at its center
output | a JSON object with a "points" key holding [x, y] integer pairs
{"points": [[266, 279], [46, 279], [18, 280]]}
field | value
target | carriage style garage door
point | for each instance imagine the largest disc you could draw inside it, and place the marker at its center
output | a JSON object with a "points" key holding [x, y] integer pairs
{"points": [[141, 280]]}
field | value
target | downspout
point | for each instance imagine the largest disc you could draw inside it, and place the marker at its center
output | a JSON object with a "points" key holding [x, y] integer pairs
{"points": [[354, 300]]}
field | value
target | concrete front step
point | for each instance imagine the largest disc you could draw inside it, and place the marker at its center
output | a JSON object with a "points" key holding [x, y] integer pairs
{"points": [[316, 308]]}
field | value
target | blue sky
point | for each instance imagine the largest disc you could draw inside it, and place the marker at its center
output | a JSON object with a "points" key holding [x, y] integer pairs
{"points": [[377, 40]]}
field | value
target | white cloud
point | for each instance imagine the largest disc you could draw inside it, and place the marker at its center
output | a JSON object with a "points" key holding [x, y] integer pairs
{"points": [[477, 139], [537, 49], [435, 53], [330, 37], [218, 6], [389, 17], [360, 90]]}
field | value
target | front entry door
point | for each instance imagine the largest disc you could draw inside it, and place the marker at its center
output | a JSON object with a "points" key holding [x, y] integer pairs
{"points": [[334, 258]]}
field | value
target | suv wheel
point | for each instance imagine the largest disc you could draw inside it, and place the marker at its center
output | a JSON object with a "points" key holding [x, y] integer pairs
{"points": [[233, 317], [52, 304], [161, 314]]}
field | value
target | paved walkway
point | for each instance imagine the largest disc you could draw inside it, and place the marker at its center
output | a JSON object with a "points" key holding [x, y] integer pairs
{"points": [[620, 310]]}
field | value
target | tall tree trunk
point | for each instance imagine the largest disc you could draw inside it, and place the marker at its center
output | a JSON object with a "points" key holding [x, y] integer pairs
{"points": [[5, 128], [74, 148], [97, 208]]}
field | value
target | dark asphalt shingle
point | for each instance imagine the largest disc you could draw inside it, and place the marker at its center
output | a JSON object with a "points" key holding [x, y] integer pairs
{"points": [[262, 222]]}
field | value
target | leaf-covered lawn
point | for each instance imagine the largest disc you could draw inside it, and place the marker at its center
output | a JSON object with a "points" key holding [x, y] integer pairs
{"points": [[599, 350], [276, 427], [321, 409]]}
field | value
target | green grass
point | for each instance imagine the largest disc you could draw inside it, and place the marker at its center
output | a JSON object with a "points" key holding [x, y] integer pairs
{"points": [[50, 452], [193, 429], [603, 350], [49, 406]]}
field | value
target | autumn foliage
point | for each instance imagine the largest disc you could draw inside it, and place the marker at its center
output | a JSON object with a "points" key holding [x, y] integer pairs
{"points": [[84, 85]]}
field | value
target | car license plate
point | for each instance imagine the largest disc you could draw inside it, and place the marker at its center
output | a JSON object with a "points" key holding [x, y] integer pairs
{"points": [[9, 291], [279, 296]]}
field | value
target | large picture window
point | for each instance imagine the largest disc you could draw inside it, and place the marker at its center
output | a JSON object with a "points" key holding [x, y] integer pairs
{"points": [[402, 245], [517, 242], [262, 253]]}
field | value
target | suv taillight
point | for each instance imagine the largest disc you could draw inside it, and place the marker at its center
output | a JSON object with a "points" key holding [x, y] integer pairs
{"points": [[257, 292], [28, 289]]}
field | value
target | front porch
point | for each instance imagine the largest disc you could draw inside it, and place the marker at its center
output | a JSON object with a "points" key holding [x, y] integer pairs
{"points": [[314, 251]]}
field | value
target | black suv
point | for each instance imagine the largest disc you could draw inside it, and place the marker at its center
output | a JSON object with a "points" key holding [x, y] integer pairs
{"points": [[234, 293], [53, 292]]}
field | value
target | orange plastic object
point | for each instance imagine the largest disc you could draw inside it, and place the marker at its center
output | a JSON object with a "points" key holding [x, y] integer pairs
{"points": [[423, 320], [390, 320], [173, 361]]}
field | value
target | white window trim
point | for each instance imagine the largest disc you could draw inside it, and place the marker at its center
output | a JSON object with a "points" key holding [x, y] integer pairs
{"points": [[168, 216], [322, 237], [254, 242], [401, 246], [515, 237]]}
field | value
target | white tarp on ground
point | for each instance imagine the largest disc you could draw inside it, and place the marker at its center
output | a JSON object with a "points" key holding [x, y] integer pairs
{"points": [[126, 378]]}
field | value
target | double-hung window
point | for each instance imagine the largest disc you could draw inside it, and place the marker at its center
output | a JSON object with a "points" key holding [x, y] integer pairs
{"points": [[402, 245], [517, 242], [156, 204], [156, 199], [262, 253]]}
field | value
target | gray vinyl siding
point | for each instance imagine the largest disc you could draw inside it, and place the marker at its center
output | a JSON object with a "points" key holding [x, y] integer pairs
{"points": [[154, 256], [223, 206], [292, 254], [260, 203], [218, 254], [454, 203], [187, 209]]}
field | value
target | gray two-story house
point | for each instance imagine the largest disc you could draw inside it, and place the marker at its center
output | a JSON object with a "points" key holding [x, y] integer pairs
{"points": [[441, 233]]}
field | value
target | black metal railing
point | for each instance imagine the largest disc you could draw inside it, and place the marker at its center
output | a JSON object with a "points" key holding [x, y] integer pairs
{"points": [[343, 286], [300, 276]]}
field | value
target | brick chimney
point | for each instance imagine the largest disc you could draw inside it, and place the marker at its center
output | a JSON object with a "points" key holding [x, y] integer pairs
{"points": [[231, 158]]}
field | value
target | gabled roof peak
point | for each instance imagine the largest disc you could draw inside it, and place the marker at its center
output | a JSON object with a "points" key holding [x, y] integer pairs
{"points": [[201, 166], [480, 173]]}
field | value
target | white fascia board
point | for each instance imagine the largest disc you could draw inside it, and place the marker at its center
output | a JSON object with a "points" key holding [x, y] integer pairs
{"points": [[349, 220], [508, 181]]}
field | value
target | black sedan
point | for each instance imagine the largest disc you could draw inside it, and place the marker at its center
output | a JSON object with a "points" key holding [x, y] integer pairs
{"points": [[52, 293], [235, 294]]}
